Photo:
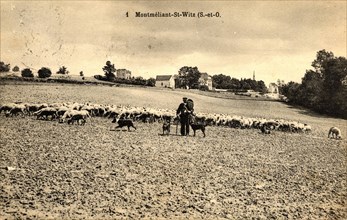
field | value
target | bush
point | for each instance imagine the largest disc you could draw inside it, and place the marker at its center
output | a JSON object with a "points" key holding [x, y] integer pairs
{"points": [[63, 70], [15, 69], [44, 72], [27, 73], [203, 88], [150, 82], [99, 77], [4, 67]]}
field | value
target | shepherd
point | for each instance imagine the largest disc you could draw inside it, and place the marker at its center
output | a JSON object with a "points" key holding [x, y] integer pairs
{"points": [[184, 110]]}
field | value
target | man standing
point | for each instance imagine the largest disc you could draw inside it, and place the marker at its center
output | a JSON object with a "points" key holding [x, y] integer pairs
{"points": [[183, 113]]}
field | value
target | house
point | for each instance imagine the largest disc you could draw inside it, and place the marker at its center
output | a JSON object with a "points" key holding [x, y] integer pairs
{"points": [[123, 73], [206, 80], [273, 88], [166, 81]]}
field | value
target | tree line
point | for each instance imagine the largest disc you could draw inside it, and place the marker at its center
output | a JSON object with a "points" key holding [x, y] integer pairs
{"points": [[109, 75], [189, 77], [109, 71], [323, 88]]}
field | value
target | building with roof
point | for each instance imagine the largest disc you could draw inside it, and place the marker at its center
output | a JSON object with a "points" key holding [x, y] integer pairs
{"points": [[123, 73], [206, 80], [273, 88], [165, 81]]}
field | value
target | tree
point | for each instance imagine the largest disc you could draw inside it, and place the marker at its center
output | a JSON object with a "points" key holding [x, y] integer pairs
{"points": [[312, 87], [321, 88], [221, 81], [261, 87], [4, 67], [189, 76], [335, 71], [235, 84], [321, 58], [150, 82], [15, 69], [44, 72], [109, 70], [63, 70], [291, 91], [27, 73]]}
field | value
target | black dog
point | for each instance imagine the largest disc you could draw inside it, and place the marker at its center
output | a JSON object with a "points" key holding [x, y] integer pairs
{"points": [[166, 127], [124, 122], [199, 126]]}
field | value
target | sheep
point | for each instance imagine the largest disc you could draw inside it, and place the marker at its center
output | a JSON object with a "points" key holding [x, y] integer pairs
{"points": [[334, 132], [16, 110], [7, 107], [44, 113], [31, 108], [79, 118], [70, 113]]}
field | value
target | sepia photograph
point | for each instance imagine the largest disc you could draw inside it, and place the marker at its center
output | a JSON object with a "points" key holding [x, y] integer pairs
{"points": [[199, 109]]}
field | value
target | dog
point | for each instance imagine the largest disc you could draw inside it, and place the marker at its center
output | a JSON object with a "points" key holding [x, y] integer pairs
{"points": [[166, 127], [124, 122], [334, 132], [198, 126], [265, 130]]}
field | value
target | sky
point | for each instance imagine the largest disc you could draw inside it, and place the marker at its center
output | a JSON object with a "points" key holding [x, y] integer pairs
{"points": [[274, 39]]}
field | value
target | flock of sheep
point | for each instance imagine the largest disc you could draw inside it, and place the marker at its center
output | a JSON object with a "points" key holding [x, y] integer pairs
{"points": [[78, 113]]}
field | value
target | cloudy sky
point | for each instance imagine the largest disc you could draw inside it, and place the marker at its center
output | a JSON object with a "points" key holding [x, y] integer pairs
{"points": [[277, 40]]}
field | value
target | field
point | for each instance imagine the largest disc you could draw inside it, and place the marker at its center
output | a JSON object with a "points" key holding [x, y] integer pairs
{"points": [[70, 172]]}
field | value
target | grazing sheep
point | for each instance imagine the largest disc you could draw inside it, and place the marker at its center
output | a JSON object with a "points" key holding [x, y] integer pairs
{"points": [[334, 132], [79, 118], [16, 110], [7, 107], [46, 112], [70, 113], [265, 130]]}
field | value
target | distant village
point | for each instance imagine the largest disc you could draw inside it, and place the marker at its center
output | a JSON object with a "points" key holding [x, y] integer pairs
{"points": [[187, 78], [171, 81]]}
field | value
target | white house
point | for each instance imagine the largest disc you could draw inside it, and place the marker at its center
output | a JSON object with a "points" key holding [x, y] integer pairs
{"points": [[206, 80], [123, 73], [273, 88], [166, 81]]}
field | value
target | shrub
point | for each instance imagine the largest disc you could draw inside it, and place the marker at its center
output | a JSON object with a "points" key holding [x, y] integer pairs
{"points": [[99, 77], [150, 82], [4, 67], [203, 88], [63, 70], [44, 72], [27, 73], [15, 69]]}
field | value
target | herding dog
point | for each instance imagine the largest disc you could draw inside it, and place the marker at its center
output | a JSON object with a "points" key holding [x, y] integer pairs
{"points": [[197, 125], [124, 122], [166, 127], [334, 132]]}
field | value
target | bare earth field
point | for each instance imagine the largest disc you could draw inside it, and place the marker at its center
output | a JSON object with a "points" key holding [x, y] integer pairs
{"points": [[72, 172]]}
